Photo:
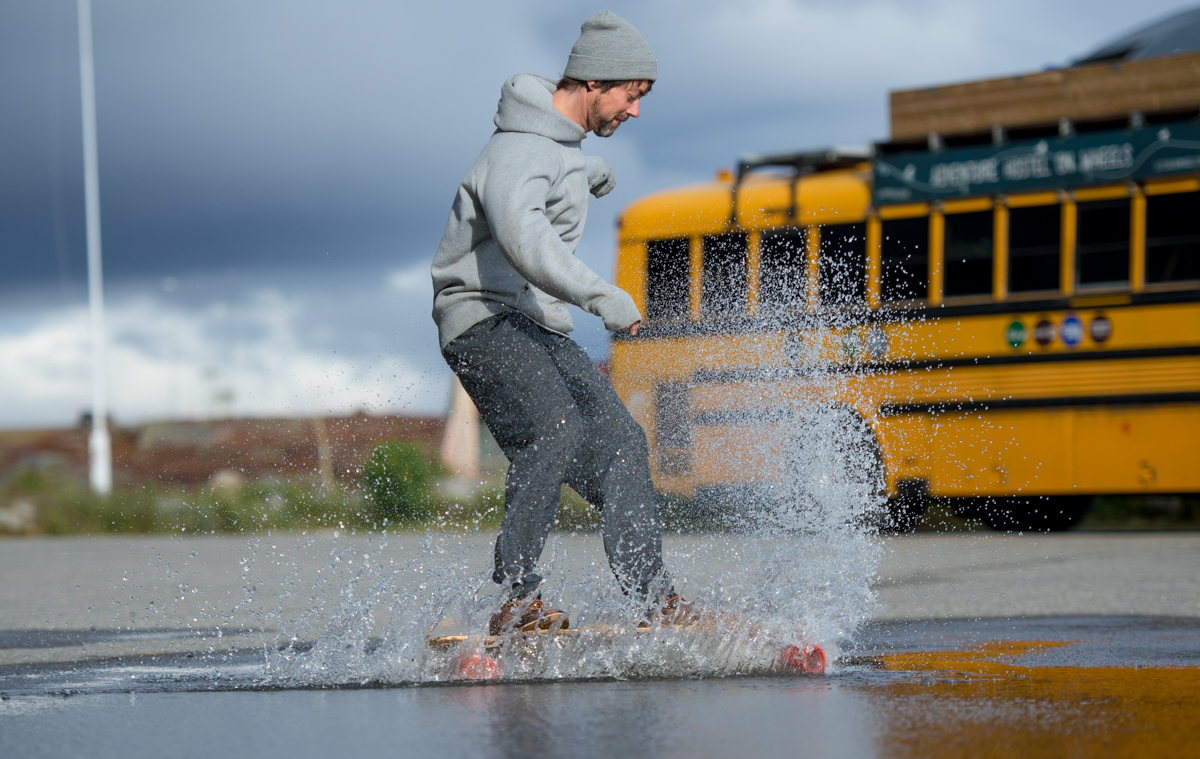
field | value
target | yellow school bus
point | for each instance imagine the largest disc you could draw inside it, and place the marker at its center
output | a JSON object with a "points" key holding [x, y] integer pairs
{"points": [[1010, 324]]}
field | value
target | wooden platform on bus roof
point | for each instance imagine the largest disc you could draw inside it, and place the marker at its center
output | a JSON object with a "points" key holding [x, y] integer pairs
{"points": [[1091, 92]]}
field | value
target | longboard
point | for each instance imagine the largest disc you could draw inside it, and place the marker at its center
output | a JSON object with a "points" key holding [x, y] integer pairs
{"points": [[494, 642], [483, 662]]}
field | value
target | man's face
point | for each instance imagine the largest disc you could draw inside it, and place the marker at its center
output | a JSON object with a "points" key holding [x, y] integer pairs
{"points": [[606, 110]]}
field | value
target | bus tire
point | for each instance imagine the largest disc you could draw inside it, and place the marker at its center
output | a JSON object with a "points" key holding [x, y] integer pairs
{"points": [[1034, 514]]}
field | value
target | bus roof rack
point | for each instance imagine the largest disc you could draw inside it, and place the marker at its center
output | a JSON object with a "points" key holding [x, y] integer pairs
{"points": [[803, 164], [808, 162]]}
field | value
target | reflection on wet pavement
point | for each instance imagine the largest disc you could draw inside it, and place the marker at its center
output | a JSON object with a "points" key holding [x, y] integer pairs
{"points": [[983, 702], [1082, 686]]}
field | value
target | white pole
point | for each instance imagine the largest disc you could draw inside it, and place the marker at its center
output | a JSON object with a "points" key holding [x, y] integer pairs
{"points": [[99, 443]]}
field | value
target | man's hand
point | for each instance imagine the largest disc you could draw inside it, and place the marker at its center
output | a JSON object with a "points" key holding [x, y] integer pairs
{"points": [[633, 329]]}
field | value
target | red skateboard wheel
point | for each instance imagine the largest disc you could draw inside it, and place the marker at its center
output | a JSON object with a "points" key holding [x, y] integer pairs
{"points": [[478, 667], [810, 659]]}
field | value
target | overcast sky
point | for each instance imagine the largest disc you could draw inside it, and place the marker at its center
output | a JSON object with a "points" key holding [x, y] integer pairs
{"points": [[275, 175]]}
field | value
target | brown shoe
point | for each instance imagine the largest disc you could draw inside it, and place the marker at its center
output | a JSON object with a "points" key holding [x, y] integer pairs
{"points": [[675, 611], [533, 615]]}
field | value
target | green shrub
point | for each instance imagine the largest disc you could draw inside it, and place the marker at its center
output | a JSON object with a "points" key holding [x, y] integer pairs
{"points": [[576, 514], [680, 514], [397, 479]]}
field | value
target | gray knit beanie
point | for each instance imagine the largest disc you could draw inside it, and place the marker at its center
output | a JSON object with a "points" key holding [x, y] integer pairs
{"points": [[610, 49]]}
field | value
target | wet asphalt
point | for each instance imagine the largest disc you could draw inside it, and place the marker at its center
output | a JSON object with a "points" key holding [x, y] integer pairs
{"points": [[1034, 645]]}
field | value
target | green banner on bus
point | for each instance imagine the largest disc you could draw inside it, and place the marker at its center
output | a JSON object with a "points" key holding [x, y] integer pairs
{"points": [[1061, 162]]}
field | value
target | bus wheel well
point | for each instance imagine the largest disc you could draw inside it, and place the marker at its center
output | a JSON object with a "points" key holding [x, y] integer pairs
{"points": [[835, 464], [907, 508], [1052, 513]]}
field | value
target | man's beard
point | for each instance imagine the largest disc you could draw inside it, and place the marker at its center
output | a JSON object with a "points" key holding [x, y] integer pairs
{"points": [[604, 127]]}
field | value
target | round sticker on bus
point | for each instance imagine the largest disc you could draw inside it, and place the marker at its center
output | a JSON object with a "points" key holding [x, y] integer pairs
{"points": [[877, 342], [1072, 331], [1101, 328], [1016, 334], [1045, 332]]}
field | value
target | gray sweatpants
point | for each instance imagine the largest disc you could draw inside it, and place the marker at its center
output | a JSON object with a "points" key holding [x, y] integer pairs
{"points": [[558, 420]]}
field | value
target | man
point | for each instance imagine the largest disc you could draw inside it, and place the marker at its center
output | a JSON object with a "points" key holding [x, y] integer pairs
{"points": [[502, 276]]}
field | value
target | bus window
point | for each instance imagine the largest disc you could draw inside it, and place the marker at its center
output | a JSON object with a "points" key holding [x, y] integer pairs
{"points": [[672, 432], [724, 274], [968, 254], [1102, 249], [1034, 240], [782, 270], [904, 254], [842, 269], [1173, 237], [667, 267]]}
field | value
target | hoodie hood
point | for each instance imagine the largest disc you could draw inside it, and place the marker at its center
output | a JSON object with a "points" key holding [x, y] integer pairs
{"points": [[527, 105]]}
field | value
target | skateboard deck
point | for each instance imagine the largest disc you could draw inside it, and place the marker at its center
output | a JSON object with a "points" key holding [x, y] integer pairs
{"points": [[480, 658], [493, 642]]}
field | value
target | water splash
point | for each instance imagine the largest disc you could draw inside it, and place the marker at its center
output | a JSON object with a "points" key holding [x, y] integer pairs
{"points": [[795, 568]]}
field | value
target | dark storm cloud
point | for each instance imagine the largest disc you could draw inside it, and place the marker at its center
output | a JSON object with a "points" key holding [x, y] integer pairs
{"points": [[308, 134], [286, 133]]}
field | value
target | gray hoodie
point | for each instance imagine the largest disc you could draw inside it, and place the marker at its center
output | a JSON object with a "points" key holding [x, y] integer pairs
{"points": [[516, 219]]}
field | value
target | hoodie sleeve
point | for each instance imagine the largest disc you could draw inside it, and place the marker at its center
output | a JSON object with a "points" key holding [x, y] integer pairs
{"points": [[513, 196], [600, 176]]}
